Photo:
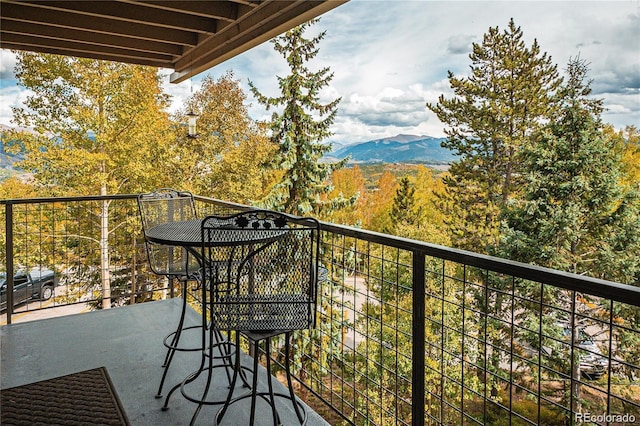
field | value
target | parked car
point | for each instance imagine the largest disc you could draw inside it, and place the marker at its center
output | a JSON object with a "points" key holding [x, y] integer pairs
{"points": [[593, 364], [34, 284]]}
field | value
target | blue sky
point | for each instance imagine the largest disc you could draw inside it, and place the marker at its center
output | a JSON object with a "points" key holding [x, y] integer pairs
{"points": [[390, 58]]}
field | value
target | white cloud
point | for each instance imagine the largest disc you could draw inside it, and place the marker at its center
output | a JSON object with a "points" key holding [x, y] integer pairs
{"points": [[178, 92], [459, 44], [11, 96], [618, 109], [412, 53], [7, 63]]}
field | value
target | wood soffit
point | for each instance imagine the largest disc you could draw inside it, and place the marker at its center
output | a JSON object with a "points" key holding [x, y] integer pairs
{"points": [[186, 36]]}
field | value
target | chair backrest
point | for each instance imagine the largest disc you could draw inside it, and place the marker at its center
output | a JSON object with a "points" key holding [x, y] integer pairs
{"points": [[163, 206], [261, 268]]}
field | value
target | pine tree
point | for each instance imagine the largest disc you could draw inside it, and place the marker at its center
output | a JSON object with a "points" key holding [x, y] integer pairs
{"points": [[576, 213], [506, 97], [491, 115], [404, 211], [300, 128]]}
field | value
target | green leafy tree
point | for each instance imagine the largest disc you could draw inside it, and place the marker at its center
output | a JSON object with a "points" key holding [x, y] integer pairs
{"points": [[493, 111], [386, 320], [347, 183], [100, 128], [299, 129], [228, 160], [378, 203], [631, 154]]}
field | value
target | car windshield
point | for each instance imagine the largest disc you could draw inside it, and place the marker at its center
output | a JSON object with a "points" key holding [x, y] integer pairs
{"points": [[583, 337]]}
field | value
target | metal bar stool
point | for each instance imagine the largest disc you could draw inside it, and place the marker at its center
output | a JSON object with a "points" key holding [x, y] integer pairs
{"points": [[176, 263], [270, 290]]}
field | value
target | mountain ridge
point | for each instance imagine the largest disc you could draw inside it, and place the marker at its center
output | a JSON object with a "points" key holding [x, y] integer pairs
{"points": [[401, 148]]}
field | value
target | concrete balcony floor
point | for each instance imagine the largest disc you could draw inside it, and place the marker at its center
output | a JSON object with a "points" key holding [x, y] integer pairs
{"points": [[128, 342]]}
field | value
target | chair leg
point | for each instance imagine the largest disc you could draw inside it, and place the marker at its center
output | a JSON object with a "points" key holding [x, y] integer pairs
{"points": [[237, 367], [268, 396], [170, 354], [193, 376], [176, 336], [209, 376], [272, 399], [254, 390], [225, 345], [289, 383], [174, 342]]}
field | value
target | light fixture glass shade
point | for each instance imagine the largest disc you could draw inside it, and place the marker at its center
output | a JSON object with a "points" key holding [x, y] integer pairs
{"points": [[191, 122]]}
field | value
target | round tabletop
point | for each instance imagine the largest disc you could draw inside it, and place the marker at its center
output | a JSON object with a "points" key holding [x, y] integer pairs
{"points": [[188, 233]]}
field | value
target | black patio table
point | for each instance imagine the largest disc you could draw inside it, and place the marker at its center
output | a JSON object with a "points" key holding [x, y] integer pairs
{"points": [[188, 234]]}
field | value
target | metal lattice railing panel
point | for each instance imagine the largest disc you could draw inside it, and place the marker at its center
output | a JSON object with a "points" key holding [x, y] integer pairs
{"points": [[499, 341]]}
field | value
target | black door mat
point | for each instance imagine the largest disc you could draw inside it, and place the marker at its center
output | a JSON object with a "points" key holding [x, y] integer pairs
{"points": [[83, 398]]}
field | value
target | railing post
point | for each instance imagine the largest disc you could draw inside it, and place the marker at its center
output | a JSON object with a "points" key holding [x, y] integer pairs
{"points": [[418, 334], [9, 252]]}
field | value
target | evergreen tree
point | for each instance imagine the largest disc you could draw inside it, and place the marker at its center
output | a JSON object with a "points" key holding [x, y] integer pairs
{"points": [[576, 215], [506, 97], [300, 128], [403, 211]]}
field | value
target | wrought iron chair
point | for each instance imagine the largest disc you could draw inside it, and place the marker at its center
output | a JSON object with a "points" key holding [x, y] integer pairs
{"points": [[176, 263], [267, 289]]}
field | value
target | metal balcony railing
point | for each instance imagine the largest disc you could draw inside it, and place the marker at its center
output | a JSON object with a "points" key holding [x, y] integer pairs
{"points": [[408, 333]]}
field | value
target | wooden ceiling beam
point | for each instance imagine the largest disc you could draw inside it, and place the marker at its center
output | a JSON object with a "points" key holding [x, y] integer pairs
{"points": [[271, 20], [127, 12], [223, 10], [188, 36], [23, 13], [82, 48], [90, 55], [231, 33], [69, 34]]}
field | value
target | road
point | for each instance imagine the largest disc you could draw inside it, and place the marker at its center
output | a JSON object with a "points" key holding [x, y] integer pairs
{"points": [[33, 311]]}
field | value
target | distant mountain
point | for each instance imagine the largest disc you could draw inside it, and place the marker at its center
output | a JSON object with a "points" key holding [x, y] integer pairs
{"points": [[397, 149]]}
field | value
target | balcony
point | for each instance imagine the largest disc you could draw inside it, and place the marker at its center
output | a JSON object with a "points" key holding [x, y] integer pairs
{"points": [[408, 333]]}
